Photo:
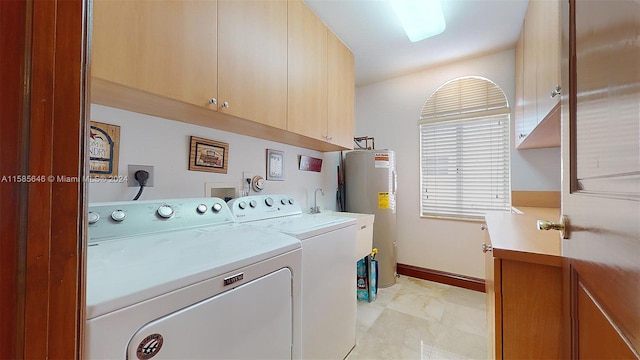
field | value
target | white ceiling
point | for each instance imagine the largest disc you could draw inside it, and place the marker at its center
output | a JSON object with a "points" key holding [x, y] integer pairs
{"points": [[381, 48]]}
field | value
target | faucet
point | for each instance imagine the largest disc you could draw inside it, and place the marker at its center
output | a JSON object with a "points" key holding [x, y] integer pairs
{"points": [[315, 209]]}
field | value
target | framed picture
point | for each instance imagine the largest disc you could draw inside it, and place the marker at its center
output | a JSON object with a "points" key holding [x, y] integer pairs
{"points": [[104, 144], [208, 155], [275, 165]]}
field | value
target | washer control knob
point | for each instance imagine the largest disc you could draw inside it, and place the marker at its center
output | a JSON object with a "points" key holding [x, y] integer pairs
{"points": [[165, 211], [242, 205], [283, 201], [253, 203], [216, 207], [291, 201], [201, 209], [118, 215], [93, 217], [268, 201]]}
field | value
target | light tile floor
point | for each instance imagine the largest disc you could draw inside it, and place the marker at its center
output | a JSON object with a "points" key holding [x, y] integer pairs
{"points": [[419, 319]]}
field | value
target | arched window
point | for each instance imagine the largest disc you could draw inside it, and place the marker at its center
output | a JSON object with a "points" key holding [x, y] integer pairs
{"points": [[464, 150]]}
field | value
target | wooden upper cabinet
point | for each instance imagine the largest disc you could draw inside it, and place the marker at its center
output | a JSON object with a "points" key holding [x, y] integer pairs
{"points": [[167, 48], [530, 114], [263, 66], [252, 60], [538, 124], [547, 55], [307, 72], [341, 85], [521, 127]]}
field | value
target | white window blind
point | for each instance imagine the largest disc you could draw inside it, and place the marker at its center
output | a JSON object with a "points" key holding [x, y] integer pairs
{"points": [[464, 150]]}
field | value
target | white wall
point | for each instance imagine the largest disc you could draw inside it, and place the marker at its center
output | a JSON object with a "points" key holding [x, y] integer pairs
{"points": [[164, 144], [389, 111]]}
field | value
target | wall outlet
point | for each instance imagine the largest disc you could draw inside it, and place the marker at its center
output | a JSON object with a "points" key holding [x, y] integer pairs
{"points": [[246, 175], [131, 175], [246, 183]]}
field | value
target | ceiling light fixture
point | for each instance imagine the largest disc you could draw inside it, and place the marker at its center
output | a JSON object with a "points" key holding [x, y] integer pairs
{"points": [[420, 19]]}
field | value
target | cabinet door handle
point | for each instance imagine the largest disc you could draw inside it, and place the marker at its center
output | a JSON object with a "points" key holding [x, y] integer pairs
{"points": [[522, 136], [225, 104], [213, 101], [555, 92], [486, 248], [483, 226]]}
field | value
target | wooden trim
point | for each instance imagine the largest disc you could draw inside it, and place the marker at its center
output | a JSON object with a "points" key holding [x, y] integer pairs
{"points": [[550, 199], [13, 42], [442, 277], [54, 225]]}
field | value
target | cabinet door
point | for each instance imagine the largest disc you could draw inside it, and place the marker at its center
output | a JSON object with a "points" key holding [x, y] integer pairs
{"points": [[252, 60], [531, 310], [494, 303], [529, 71], [341, 92], [548, 55], [520, 130], [307, 72], [167, 48]]}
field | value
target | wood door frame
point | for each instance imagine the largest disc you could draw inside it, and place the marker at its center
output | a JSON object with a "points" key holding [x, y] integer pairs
{"points": [[43, 134]]}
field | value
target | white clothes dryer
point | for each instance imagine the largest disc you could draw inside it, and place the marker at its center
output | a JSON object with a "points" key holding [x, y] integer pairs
{"points": [[178, 279]]}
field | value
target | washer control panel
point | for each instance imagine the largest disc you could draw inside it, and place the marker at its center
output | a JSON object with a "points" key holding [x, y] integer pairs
{"points": [[130, 218], [260, 207]]}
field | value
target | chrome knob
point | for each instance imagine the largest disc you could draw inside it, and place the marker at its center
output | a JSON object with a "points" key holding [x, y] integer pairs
{"points": [[486, 248], [213, 101], [242, 205], [268, 201], [562, 226], [253, 203], [483, 226], [225, 105], [201, 209], [291, 201], [522, 136], [93, 217], [555, 92], [216, 207], [118, 215], [165, 211], [283, 201]]}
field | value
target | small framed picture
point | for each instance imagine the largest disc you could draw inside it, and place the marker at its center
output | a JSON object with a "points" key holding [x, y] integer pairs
{"points": [[275, 164], [208, 155], [104, 144]]}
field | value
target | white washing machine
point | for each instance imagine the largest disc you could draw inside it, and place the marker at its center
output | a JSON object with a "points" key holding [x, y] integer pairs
{"points": [[328, 269], [179, 279]]}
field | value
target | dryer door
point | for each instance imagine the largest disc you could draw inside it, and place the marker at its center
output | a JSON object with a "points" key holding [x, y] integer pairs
{"points": [[252, 321]]}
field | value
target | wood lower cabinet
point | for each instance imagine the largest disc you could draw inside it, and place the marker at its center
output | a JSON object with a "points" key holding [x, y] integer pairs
{"points": [[167, 48], [523, 290]]}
